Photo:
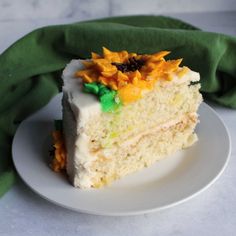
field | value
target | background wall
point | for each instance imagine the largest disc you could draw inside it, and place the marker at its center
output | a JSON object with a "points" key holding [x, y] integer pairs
{"points": [[88, 9], [18, 17]]}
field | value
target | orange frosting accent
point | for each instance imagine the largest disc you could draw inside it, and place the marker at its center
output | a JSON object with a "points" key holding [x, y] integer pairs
{"points": [[59, 160], [130, 85]]}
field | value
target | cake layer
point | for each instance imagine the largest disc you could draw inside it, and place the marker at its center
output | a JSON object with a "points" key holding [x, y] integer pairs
{"points": [[101, 144]]}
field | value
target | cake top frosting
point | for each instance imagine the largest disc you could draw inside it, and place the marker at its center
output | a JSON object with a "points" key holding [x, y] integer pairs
{"points": [[119, 78]]}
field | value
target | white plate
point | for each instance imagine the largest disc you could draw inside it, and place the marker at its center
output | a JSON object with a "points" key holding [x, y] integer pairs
{"points": [[167, 183]]}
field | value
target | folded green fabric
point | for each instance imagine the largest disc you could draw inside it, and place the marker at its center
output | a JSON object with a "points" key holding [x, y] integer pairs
{"points": [[30, 69]]}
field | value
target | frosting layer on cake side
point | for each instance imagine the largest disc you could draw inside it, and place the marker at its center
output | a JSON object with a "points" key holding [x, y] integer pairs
{"points": [[78, 108]]}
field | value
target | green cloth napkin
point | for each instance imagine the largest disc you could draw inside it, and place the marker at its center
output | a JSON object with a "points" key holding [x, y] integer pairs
{"points": [[30, 69]]}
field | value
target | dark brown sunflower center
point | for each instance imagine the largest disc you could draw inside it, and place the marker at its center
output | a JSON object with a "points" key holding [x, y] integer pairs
{"points": [[132, 64]]}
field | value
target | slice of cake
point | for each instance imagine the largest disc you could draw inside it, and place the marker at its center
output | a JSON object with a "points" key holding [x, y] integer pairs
{"points": [[123, 112]]}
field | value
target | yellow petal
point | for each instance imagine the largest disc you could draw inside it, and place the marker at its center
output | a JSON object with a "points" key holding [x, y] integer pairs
{"points": [[95, 55], [159, 55]]}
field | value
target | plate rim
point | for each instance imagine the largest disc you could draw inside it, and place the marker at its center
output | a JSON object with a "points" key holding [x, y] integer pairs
{"points": [[124, 213]]}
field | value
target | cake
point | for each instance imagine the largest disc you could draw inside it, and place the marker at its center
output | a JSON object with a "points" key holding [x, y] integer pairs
{"points": [[123, 112]]}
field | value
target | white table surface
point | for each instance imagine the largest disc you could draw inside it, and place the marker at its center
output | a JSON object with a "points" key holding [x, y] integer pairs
{"points": [[213, 212]]}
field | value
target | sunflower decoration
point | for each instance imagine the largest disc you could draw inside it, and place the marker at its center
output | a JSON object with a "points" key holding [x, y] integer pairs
{"points": [[58, 151], [120, 78]]}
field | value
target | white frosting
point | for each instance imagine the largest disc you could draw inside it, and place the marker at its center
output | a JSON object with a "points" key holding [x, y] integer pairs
{"points": [[87, 104], [84, 106]]}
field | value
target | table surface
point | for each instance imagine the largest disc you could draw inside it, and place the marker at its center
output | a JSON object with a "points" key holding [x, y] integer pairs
{"points": [[213, 212]]}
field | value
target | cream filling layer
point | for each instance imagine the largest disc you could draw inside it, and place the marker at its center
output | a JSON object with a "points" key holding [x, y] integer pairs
{"points": [[166, 125]]}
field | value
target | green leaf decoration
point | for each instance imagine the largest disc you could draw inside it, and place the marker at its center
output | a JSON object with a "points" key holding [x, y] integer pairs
{"points": [[109, 99]]}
